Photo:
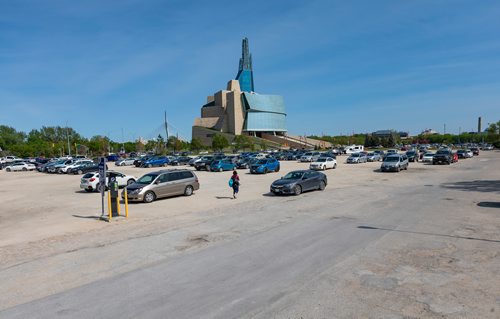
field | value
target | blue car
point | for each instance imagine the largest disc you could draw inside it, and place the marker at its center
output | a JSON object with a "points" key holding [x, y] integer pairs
{"points": [[265, 166], [156, 161], [222, 165]]}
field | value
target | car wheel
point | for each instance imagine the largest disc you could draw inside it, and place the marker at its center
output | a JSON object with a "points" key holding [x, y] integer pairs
{"points": [[88, 190], [266, 171], [7, 169], [130, 181], [197, 168], [277, 169], [24, 169], [164, 164], [207, 167], [398, 169], [297, 190], [80, 171], [220, 169], [149, 197], [149, 165], [322, 186], [324, 167], [335, 166], [188, 191]]}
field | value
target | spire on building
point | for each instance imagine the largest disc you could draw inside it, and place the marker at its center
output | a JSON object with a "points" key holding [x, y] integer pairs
{"points": [[245, 72]]}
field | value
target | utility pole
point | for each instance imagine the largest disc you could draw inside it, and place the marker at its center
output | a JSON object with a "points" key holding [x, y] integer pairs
{"points": [[444, 131], [67, 137]]}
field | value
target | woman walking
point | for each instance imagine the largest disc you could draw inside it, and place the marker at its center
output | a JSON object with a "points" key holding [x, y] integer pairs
{"points": [[234, 182]]}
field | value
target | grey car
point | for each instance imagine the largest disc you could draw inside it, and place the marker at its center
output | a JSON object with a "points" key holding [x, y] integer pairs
{"points": [[395, 163], [357, 158], [373, 157], [164, 183], [297, 182]]}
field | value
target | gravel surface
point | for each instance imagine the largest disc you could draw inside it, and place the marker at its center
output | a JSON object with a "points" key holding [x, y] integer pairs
{"points": [[422, 243]]}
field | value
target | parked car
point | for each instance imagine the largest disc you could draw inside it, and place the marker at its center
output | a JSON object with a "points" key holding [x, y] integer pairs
{"points": [[125, 161], [443, 156], [310, 157], [222, 165], [55, 168], [297, 182], [323, 163], [180, 160], [357, 158], [163, 183], [394, 162], [373, 157], [475, 150], [412, 156], [156, 161], [85, 168], [90, 181], [246, 162], [427, 157], [264, 166], [65, 168], [19, 166]]}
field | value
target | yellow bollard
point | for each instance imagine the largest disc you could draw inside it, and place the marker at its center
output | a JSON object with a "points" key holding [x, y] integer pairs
{"points": [[118, 204], [109, 206], [126, 203]]}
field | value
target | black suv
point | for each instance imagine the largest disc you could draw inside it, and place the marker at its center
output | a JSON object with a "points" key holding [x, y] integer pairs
{"points": [[443, 156]]}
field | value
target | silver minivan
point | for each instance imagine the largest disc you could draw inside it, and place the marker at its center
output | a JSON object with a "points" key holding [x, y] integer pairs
{"points": [[394, 162], [163, 183]]}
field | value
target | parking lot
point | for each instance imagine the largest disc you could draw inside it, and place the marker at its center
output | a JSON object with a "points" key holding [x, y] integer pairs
{"points": [[48, 226]]}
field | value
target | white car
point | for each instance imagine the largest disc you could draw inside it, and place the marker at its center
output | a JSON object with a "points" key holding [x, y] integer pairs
{"points": [[20, 166], [65, 168], [8, 159], [427, 158], [90, 181], [323, 163], [125, 161]]}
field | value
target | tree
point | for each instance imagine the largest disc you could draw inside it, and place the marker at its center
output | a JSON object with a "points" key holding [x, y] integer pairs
{"points": [[219, 142], [196, 144], [242, 142]]}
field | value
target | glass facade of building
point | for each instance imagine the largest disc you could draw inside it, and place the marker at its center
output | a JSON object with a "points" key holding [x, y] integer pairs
{"points": [[264, 113]]}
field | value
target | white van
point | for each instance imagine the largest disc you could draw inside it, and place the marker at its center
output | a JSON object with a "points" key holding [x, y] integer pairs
{"points": [[354, 149]]}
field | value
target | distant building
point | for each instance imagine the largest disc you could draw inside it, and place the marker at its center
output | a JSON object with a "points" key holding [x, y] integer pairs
{"points": [[428, 131], [239, 110], [388, 133]]}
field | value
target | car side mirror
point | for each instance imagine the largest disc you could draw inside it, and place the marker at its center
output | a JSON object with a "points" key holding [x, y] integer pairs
{"points": [[157, 182]]}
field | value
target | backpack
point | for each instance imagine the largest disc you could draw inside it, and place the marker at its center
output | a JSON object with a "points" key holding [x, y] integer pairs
{"points": [[231, 182]]}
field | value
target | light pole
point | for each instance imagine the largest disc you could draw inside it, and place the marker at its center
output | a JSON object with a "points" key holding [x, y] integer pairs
{"points": [[67, 137]]}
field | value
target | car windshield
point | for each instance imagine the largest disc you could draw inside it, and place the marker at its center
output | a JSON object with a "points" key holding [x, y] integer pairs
{"points": [[293, 175], [261, 162], [391, 159], [429, 154], [147, 179], [355, 155], [321, 159]]}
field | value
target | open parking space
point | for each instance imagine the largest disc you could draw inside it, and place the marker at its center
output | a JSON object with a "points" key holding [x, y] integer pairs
{"points": [[49, 227]]}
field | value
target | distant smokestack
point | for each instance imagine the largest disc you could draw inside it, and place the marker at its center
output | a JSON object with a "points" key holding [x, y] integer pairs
{"points": [[479, 125]]}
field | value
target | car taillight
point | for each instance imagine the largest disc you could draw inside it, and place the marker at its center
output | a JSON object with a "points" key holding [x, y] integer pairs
{"points": [[92, 179]]}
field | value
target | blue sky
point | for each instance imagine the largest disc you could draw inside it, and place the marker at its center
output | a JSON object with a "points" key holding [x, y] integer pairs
{"points": [[341, 66]]}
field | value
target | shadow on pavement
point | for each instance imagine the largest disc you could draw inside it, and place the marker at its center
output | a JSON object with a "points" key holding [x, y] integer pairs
{"points": [[486, 186], [489, 204], [86, 217], [424, 233], [224, 197]]}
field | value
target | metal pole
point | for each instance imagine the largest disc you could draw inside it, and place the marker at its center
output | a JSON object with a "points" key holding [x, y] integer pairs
{"points": [[67, 137]]}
